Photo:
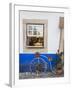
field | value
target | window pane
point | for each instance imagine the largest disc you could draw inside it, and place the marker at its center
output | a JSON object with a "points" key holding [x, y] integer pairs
{"points": [[35, 35]]}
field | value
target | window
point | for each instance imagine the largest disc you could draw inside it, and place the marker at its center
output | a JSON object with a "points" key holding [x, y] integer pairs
{"points": [[34, 35]]}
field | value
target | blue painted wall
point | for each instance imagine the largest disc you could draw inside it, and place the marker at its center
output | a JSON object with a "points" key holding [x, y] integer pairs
{"points": [[26, 59]]}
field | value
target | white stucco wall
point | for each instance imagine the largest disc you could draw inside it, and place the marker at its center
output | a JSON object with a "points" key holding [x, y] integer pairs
{"points": [[53, 28]]}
